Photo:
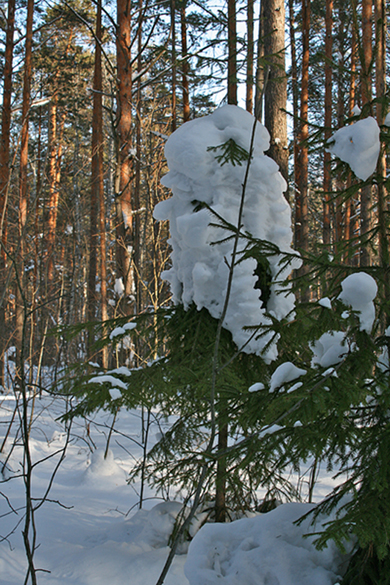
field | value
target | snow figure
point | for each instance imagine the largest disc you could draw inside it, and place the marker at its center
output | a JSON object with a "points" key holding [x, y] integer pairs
{"points": [[200, 252]]}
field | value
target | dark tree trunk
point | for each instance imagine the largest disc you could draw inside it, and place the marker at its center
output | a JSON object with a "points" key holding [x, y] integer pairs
{"points": [[232, 53], [249, 58], [328, 119]]}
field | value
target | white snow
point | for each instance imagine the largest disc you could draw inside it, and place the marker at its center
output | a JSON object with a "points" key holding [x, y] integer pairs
{"points": [[359, 146], [325, 302], [294, 387], [267, 549], [329, 349], [117, 331], [356, 111], [107, 378], [101, 538], [269, 430], [256, 387], [119, 287], [284, 373], [115, 393], [359, 291], [199, 270]]}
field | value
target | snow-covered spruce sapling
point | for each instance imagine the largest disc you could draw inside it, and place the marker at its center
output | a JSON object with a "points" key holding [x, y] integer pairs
{"points": [[215, 284]]}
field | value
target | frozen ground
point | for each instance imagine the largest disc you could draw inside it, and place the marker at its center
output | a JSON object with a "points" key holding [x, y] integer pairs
{"points": [[91, 531]]}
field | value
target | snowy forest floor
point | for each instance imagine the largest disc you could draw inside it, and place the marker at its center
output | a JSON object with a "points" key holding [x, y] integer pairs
{"points": [[90, 530]]}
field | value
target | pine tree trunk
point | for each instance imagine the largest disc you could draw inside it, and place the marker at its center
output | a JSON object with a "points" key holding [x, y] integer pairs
{"points": [[137, 186], [338, 215], [96, 176], [232, 53], [328, 119], [20, 290], [185, 65], [173, 40], [124, 177], [295, 98], [250, 57], [380, 83], [366, 195], [56, 134], [351, 227], [4, 173], [260, 68], [275, 96], [302, 168]]}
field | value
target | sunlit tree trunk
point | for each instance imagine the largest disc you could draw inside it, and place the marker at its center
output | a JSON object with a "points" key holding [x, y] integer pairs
{"points": [[275, 95], [96, 176], [184, 64], [302, 167], [366, 58], [350, 222], [137, 186], [56, 133], [295, 103], [380, 82], [124, 177], [4, 171], [20, 290], [173, 41]]}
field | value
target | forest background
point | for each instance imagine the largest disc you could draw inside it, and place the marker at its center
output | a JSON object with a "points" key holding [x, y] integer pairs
{"points": [[92, 90], [90, 93]]}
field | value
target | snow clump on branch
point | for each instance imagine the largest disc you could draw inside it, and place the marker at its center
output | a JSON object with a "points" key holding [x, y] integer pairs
{"points": [[358, 145], [201, 252]]}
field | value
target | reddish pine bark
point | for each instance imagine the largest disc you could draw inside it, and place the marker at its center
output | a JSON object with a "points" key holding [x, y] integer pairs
{"points": [[302, 168], [184, 66], [275, 95], [328, 118], [366, 194], [124, 207], [4, 169], [20, 293], [96, 175]]}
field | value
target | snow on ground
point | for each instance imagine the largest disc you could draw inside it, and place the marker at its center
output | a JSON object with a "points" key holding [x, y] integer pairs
{"points": [[266, 549], [92, 533]]}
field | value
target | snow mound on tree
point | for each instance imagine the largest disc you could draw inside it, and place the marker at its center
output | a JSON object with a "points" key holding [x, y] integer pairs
{"points": [[359, 146], [200, 252], [359, 291], [266, 549]]}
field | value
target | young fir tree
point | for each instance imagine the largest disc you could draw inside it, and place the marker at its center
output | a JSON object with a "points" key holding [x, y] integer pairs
{"points": [[324, 395]]}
